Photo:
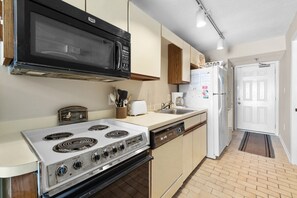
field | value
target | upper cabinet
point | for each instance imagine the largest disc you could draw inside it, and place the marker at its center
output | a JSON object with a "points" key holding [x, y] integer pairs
{"points": [[114, 12], [145, 45], [186, 62], [178, 58], [197, 59], [171, 37], [77, 3]]}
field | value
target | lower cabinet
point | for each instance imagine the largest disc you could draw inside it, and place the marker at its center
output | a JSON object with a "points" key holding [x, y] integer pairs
{"points": [[199, 145], [23, 186], [187, 155], [194, 148]]}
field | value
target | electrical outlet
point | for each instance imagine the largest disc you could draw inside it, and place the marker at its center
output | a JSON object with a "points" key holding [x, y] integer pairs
{"points": [[110, 102]]}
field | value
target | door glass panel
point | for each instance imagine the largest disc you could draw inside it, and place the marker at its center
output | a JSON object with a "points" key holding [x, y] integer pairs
{"points": [[56, 40], [247, 93], [262, 90]]}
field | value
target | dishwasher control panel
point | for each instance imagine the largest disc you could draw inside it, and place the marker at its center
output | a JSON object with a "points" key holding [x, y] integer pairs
{"points": [[164, 134]]}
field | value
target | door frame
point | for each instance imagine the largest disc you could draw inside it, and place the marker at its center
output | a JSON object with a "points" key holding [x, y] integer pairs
{"points": [[293, 104], [276, 94]]}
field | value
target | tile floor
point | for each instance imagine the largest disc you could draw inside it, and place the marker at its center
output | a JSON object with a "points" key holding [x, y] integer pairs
{"points": [[239, 174]]}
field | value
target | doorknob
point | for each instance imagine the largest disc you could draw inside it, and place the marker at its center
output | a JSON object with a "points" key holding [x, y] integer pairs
{"points": [[239, 103]]}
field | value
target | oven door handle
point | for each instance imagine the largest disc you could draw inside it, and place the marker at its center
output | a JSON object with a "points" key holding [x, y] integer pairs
{"points": [[104, 179]]}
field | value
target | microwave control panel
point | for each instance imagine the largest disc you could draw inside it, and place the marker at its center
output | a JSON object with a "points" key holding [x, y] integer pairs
{"points": [[125, 58]]}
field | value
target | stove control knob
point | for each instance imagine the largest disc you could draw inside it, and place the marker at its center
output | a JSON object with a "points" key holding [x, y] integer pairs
{"points": [[62, 170], [114, 150], [77, 165], [95, 157], [105, 153], [121, 147]]}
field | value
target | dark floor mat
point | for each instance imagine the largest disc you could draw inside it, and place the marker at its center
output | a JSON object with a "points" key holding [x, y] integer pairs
{"points": [[255, 143]]}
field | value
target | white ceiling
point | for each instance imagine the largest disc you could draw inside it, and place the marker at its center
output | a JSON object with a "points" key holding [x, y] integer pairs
{"points": [[241, 21]]}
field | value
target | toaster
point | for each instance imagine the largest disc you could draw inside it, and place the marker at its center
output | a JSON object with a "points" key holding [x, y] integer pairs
{"points": [[137, 107]]}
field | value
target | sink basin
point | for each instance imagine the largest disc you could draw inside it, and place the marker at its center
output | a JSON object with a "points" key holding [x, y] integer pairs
{"points": [[175, 111]]}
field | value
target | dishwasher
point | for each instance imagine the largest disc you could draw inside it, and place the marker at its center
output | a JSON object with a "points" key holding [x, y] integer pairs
{"points": [[167, 166]]}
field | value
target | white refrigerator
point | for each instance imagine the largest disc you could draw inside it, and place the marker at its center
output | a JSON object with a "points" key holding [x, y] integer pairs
{"points": [[208, 89]]}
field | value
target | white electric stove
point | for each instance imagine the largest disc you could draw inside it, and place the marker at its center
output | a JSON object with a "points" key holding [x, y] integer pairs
{"points": [[72, 153]]}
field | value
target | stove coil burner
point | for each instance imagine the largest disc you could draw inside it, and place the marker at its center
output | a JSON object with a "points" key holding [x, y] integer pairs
{"points": [[117, 134], [75, 144], [98, 127], [57, 136]]}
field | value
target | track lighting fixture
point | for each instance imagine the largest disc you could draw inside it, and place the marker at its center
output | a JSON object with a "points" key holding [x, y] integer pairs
{"points": [[200, 18], [202, 14], [220, 44]]}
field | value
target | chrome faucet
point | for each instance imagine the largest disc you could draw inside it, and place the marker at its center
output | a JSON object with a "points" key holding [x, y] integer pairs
{"points": [[166, 106]]}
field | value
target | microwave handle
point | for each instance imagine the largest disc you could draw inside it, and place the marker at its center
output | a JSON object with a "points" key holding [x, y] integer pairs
{"points": [[119, 46]]}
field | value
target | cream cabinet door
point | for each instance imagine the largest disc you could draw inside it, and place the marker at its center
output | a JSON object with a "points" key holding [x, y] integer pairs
{"points": [[195, 57], [186, 53], [202, 141], [187, 155], [145, 43], [114, 12], [196, 148], [77, 3], [199, 145], [186, 72], [171, 37]]}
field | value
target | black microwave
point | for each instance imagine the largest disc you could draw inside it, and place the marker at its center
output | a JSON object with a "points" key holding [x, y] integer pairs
{"points": [[55, 39]]}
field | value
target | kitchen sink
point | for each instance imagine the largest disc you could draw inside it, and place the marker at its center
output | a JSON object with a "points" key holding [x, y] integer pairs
{"points": [[175, 111]]}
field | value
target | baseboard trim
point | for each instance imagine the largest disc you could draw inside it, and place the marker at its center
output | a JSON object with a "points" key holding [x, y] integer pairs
{"points": [[285, 148]]}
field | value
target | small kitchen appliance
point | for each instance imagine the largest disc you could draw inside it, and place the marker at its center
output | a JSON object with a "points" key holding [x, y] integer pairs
{"points": [[79, 160], [137, 107], [177, 98], [66, 42]]}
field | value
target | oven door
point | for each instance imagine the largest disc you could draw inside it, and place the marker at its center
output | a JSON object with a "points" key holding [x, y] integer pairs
{"points": [[128, 179], [48, 38]]}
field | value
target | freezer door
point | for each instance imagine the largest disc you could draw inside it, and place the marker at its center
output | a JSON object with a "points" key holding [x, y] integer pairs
{"points": [[220, 80], [198, 94]]}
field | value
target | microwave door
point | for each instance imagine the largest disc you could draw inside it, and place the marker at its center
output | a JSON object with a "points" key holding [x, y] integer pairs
{"points": [[57, 40], [53, 39]]}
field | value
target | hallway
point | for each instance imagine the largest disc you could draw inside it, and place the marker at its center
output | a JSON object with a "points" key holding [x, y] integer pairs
{"points": [[239, 174]]}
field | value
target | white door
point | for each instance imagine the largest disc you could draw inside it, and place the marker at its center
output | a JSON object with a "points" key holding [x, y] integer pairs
{"points": [[293, 105], [255, 97]]}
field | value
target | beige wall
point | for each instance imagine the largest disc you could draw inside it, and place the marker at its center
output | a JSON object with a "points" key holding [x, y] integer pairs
{"points": [[285, 87], [154, 92], [25, 98], [249, 49]]}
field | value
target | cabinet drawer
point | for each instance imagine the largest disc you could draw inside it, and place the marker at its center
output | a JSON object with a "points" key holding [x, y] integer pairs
{"points": [[192, 121], [203, 117]]}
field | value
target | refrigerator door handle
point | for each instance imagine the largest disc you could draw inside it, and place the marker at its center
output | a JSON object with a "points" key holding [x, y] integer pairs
{"points": [[219, 94]]}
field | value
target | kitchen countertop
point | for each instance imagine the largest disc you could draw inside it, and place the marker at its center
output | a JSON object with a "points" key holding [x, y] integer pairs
{"points": [[154, 120], [17, 158]]}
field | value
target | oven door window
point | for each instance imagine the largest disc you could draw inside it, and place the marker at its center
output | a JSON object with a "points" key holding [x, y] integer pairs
{"points": [[52, 39]]}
